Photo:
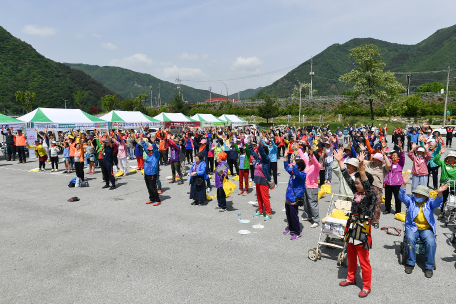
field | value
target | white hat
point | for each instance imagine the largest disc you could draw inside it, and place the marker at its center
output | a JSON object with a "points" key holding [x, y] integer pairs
{"points": [[420, 149], [352, 161]]}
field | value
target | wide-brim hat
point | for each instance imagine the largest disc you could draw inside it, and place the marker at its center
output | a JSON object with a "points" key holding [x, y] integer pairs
{"points": [[378, 156], [451, 153], [423, 190], [420, 149], [352, 161]]}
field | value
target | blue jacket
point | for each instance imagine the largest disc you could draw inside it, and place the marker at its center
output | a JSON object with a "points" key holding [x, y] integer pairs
{"points": [[413, 209], [138, 150], [151, 161], [232, 153], [265, 161], [297, 182], [272, 151], [413, 138], [434, 153], [200, 170]]}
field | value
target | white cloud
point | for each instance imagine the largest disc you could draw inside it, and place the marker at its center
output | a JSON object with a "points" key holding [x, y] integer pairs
{"points": [[96, 35], [78, 36], [108, 45], [192, 73], [35, 30], [205, 56], [137, 60], [250, 64], [188, 57], [165, 64], [213, 63]]}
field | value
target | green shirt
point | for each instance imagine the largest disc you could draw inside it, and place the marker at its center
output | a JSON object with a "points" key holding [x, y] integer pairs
{"points": [[448, 171]]}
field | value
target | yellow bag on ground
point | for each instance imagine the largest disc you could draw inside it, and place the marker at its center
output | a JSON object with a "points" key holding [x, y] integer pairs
{"points": [[400, 216], [228, 187], [142, 172], [229, 172], [120, 173], [236, 178], [326, 188], [383, 199], [35, 170], [433, 194], [250, 184], [210, 176], [209, 198], [133, 171], [320, 194]]}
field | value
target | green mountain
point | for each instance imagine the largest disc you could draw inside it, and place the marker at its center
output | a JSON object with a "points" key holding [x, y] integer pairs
{"points": [[246, 93], [435, 53], [22, 68], [128, 83]]}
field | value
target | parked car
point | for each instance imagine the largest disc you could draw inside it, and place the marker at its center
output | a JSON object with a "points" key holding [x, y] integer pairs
{"points": [[443, 131]]}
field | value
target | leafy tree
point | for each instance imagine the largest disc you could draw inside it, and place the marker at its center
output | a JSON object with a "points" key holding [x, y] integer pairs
{"points": [[269, 109], [109, 102], [305, 90], [127, 105], [178, 105], [26, 100], [138, 103], [368, 78], [79, 97], [430, 87]]}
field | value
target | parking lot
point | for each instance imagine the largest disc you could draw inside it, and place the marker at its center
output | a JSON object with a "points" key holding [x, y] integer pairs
{"points": [[110, 247]]}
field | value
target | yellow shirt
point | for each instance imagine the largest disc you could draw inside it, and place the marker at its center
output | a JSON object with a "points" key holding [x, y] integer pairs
{"points": [[421, 221]]}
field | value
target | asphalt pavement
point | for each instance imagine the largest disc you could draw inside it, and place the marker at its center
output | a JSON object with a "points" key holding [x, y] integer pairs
{"points": [[110, 247]]}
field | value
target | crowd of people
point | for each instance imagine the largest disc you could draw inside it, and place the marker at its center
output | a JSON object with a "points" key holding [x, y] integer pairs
{"points": [[358, 156]]}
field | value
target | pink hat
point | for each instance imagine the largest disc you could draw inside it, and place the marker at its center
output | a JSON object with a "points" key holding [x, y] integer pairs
{"points": [[203, 141], [150, 147], [378, 156]]}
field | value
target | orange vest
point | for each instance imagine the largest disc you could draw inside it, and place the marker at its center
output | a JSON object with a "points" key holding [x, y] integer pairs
{"points": [[20, 140]]}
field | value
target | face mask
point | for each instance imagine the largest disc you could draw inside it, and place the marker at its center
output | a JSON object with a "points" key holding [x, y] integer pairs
{"points": [[419, 199]]}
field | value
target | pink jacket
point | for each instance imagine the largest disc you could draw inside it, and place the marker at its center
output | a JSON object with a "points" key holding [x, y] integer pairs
{"points": [[419, 167], [121, 149], [312, 170]]}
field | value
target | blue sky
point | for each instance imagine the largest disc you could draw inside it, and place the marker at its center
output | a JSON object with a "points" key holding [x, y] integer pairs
{"points": [[213, 40]]}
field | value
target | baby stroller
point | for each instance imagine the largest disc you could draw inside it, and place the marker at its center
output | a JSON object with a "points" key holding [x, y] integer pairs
{"points": [[420, 248], [333, 228], [449, 209]]}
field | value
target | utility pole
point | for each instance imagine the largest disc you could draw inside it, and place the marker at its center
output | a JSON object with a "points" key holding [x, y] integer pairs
{"points": [[239, 95], [311, 76], [226, 91], [150, 87], [65, 102], [446, 98], [408, 83], [159, 99], [210, 93], [300, 100], [179, 86]]}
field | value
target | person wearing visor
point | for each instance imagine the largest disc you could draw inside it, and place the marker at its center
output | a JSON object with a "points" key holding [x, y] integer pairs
{"points": [[448, 175], [420, 223], [151, 170]]}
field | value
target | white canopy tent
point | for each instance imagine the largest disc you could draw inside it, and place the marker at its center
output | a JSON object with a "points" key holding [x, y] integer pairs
{"points": [[176, 120], [233, 120], [63, 119], [130, 119], [208, 120]]}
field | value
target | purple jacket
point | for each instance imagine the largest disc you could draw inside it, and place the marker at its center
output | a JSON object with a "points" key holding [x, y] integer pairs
{"points": [[175, 150], [394, 176], [219, 178]]}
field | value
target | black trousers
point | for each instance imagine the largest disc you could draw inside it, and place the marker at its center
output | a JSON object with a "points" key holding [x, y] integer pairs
{"points": [[164, 157], [274, 171], [449, 141], [115, 159], [252, 171], [79, 166], [282, 148], [151, 184], [211, 164], [175, 168], [189, 154], [221, 198], [389, 192], [11, 150], [42, 164], [55, 161], [21, 153], [435, 176], [322, 177], [106, 169], [231, 163]]}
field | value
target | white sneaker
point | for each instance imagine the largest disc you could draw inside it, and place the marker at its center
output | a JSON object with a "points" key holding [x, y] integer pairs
{"points": [[250, 179], [314, 225]]}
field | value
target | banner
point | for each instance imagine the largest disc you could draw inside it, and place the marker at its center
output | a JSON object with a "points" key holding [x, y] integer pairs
{"points": [[134, 125], [171, 124], [63, 127], [211, 124], [15, 126], [31, 137]]}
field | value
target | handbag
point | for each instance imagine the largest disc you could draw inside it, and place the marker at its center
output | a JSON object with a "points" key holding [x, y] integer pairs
{"points": [[199, 181], [299, 201], [228, 187]]}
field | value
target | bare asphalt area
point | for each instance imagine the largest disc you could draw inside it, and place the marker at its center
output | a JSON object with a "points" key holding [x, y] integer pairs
{"points": [[110, 247]]}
